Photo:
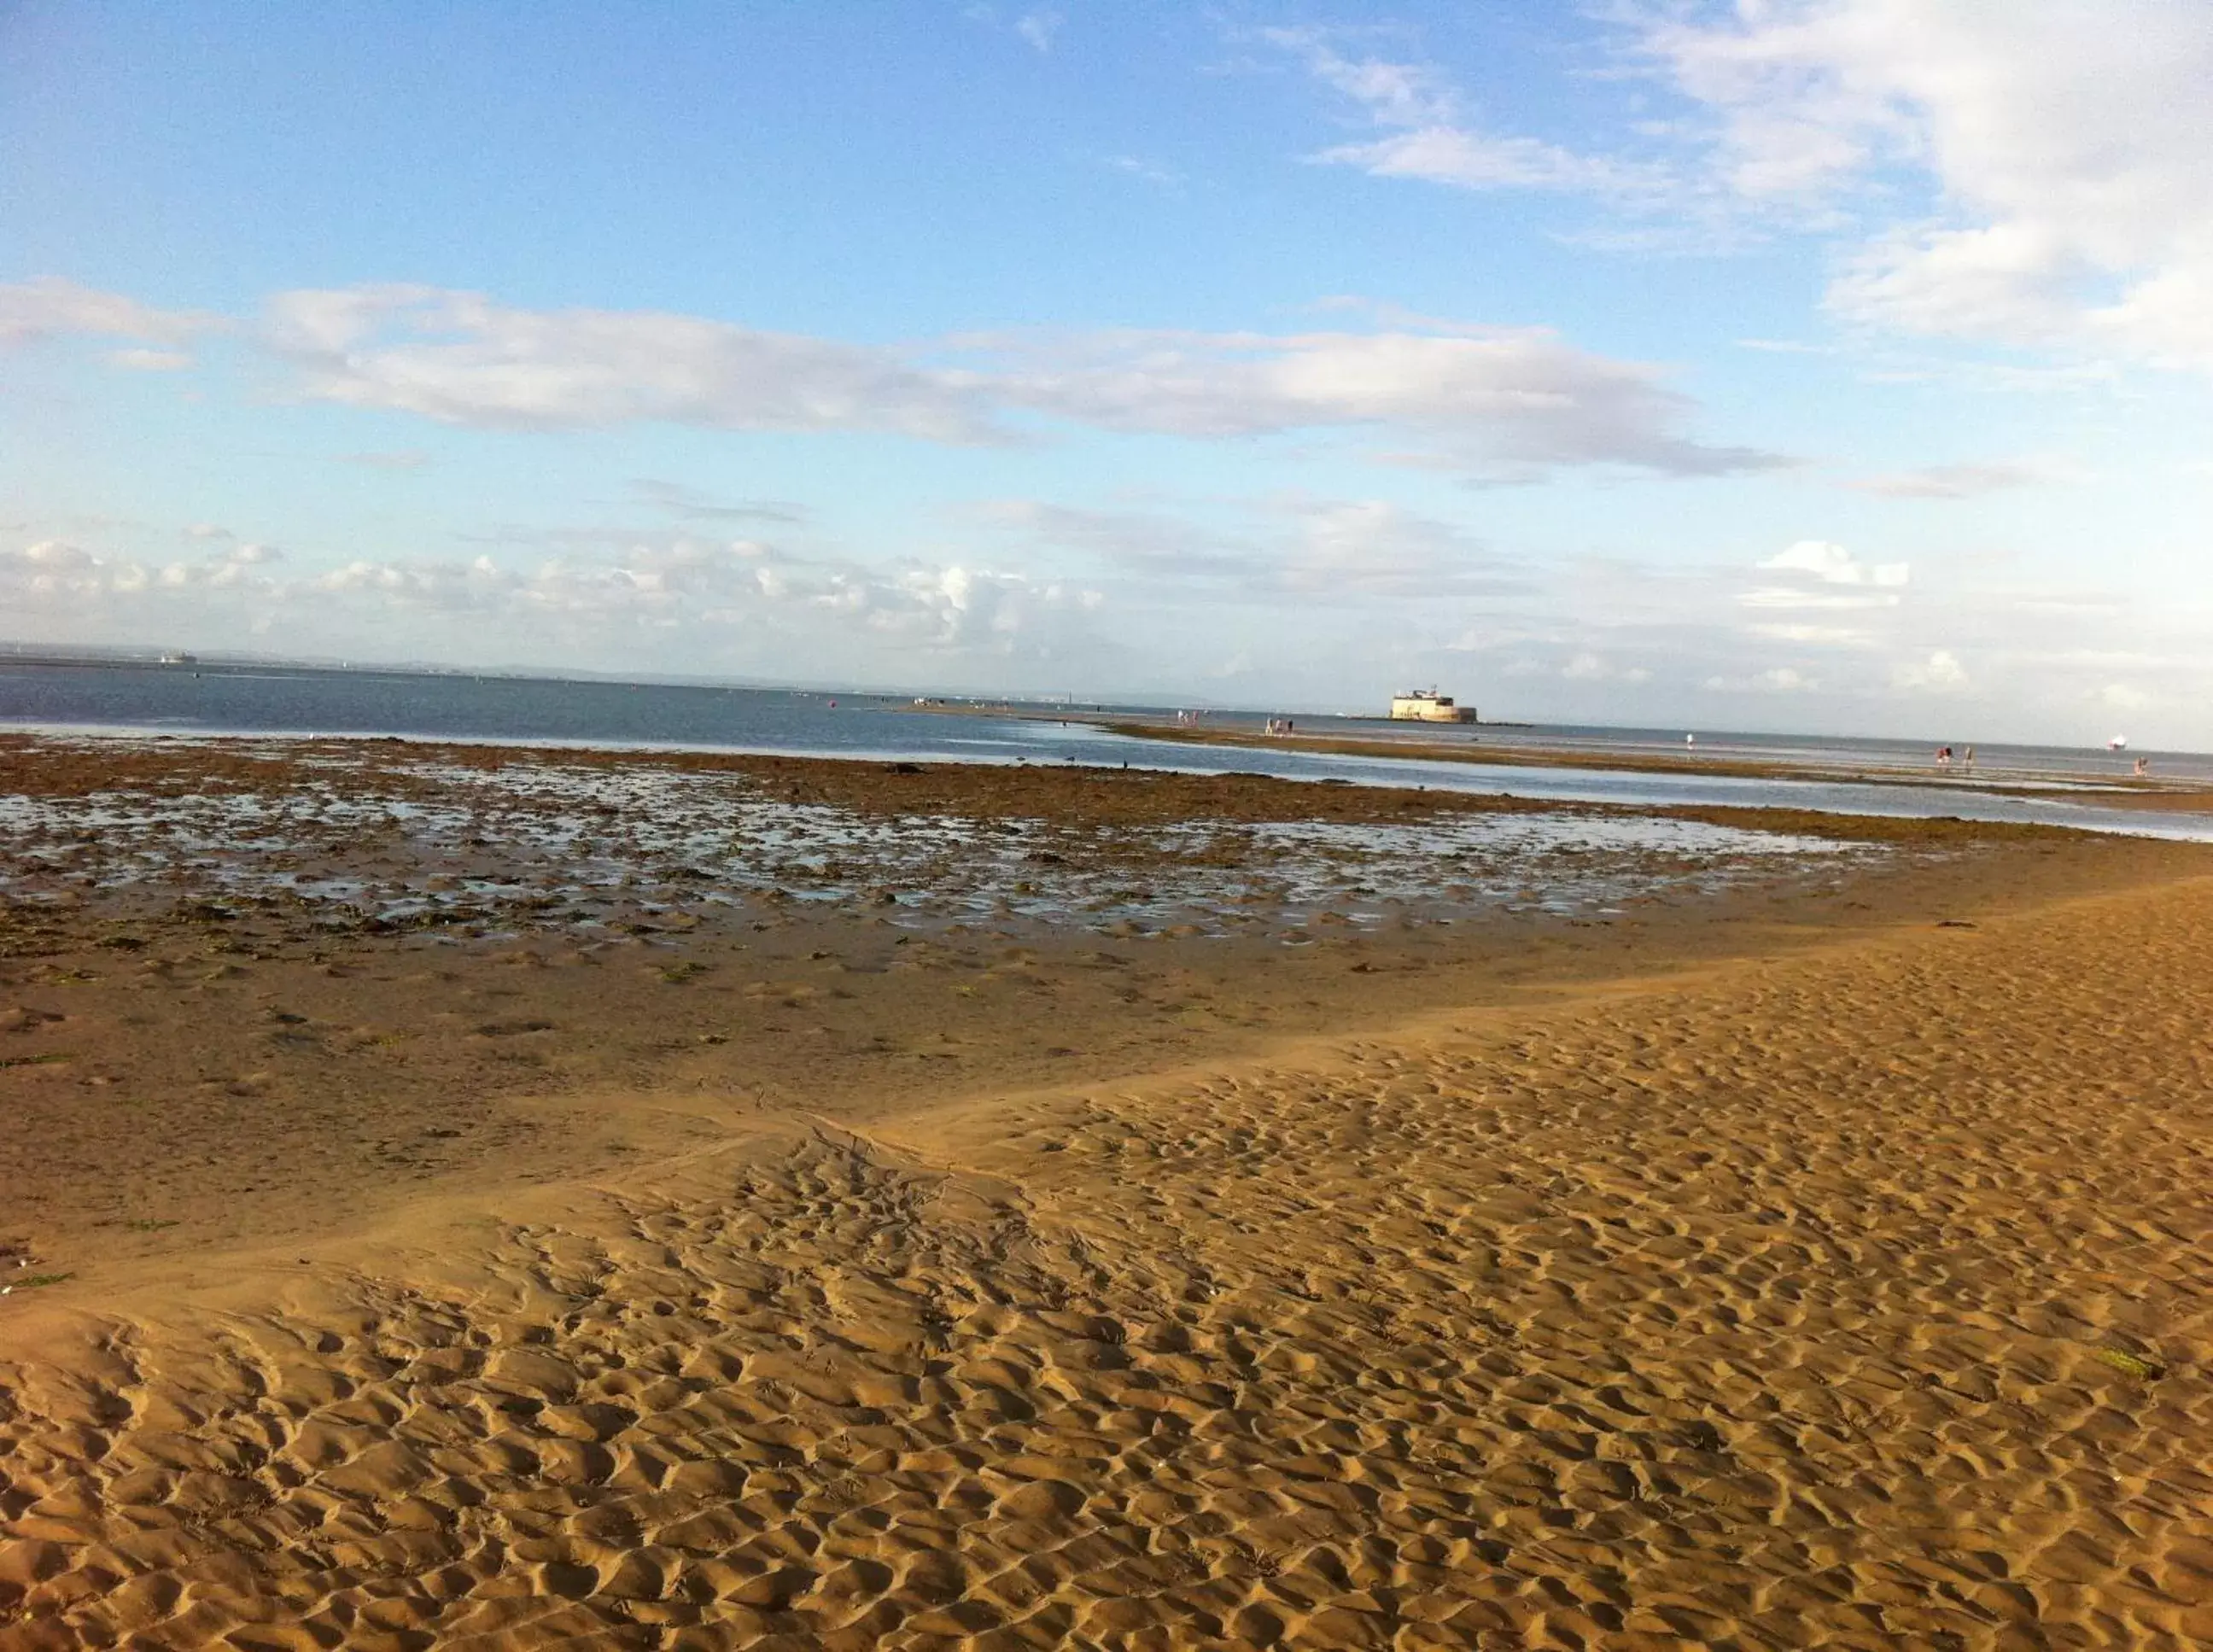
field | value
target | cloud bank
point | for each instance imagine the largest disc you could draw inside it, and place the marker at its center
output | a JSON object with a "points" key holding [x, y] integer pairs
{"points": [[51, 307], [678, 589], [1498, 403], [1484, 398], [2028, 174], [460, 358]]}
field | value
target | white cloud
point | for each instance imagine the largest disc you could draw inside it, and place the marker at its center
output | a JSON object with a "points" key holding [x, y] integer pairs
{"points": [[2077, 603], [668, 585], [1494, 399], [53, 566], [2026, 174], [1775, 596], [1955, 481], [1832, 564], [1468, 159], [687, 583], [1821, 636], [2059, 144], [1147, 541], [231, 569], [150, 361], [1391, 93], [51, 308], [688, 502], [1428, 134], [1825, 577], [1941, 673], [1136, 166], [462, 359], [1776, 679], [1366, 548], [1588, 668], [1286, 549], [1517, 397], [1039, 28]]}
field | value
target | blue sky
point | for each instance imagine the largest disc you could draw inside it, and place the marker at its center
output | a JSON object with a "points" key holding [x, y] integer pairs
{"points": [[1814, 364]]}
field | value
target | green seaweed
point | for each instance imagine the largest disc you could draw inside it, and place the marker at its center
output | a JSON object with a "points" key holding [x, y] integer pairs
{"points": [[2135, 1365]]}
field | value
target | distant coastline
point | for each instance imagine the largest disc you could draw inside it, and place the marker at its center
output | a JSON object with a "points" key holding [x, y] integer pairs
{"points": [[2127, 791], [88, 692]]}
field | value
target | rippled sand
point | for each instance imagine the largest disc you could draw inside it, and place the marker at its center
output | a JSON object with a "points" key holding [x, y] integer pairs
{"points": [[1852, 1299]]}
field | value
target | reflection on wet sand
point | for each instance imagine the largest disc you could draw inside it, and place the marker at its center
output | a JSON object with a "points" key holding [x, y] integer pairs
{"points": [[338, 841]]}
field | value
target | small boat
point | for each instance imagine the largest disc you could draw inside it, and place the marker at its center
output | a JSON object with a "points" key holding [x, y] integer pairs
{"points": [[2117, 743]]}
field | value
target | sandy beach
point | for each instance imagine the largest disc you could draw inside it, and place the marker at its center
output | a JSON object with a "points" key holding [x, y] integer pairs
{"points": [[1218, 828], [511, 1199]]}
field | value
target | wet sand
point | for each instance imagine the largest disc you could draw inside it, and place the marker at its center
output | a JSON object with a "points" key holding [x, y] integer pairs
{"points": [[1810, 1254], [2118, 790]]}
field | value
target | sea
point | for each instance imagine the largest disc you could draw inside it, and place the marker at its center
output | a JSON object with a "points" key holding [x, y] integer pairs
{"points": [[212, 699]]}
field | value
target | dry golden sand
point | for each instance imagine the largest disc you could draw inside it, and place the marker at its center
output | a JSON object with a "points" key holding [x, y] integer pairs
{"points": [[1856, 1298]]}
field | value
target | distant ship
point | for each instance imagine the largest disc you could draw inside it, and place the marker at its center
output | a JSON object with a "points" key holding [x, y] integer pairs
{"points": [[180, 658], [1427, 705], [2117, 743]]}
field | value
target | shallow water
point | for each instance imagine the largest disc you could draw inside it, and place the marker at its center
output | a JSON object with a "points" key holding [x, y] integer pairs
{"points": [[579, 846], [540, 712]]}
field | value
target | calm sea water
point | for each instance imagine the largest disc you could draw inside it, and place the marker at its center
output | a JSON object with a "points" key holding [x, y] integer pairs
{"points": [[232, 700]]}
